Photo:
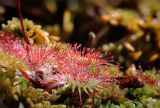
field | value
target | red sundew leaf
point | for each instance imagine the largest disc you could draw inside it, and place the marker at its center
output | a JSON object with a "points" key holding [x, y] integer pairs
{"points": [[140, 76], [34, 56], [12, 46], [147, 79], [72, 66], [37, 58], [84, 56], [82, 68]]}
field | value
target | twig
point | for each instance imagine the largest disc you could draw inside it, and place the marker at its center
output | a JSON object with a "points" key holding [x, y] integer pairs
{"points": [[93, 98], [92, 40], [80, 97]]}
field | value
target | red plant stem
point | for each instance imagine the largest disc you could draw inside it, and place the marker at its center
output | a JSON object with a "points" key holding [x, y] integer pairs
{"points": [[21, 21], [25, 75]]}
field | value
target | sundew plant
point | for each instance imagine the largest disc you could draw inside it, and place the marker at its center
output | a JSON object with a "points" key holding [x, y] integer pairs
{"points": [[72, 67], [55, 68]]}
